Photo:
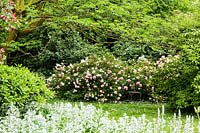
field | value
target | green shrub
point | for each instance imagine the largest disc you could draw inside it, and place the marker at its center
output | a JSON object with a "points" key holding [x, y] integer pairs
{"points": [[173, 82], [165, 7], [20, 87], [99, 79], [56, 43]]}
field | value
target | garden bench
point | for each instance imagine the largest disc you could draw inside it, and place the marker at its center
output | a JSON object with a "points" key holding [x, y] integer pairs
{"points": [[134, 95]]}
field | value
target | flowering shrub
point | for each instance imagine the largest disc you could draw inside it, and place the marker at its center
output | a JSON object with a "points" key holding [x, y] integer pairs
{"points": [[64, 117], [100, 79]]}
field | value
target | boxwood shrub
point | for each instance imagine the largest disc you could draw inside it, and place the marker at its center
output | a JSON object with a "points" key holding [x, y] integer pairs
{"points": [[19, 86]]}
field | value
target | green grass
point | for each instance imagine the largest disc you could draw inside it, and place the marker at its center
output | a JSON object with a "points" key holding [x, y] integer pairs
{"points": [[136, 109]]}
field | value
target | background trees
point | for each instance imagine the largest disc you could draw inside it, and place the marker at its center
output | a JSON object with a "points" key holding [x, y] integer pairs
{"points": [[43, 33]]}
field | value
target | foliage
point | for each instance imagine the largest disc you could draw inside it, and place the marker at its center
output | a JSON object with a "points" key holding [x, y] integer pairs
{"points": [[20, 87], [173, 81], [128, 29], [56, 43], [113, 22], [18, 18], [164, 7], [191, 46], [101, 79], [65, 117]]}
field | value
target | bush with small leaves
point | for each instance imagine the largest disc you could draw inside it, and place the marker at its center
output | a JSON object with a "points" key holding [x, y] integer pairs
{"points": [[19, 86], [173, 81]]}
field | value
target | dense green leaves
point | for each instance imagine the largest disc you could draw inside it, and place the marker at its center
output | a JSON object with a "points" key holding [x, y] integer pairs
{"points": [[20, 87]]}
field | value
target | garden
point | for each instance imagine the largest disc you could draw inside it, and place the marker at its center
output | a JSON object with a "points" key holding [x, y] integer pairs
{"points": [[89, 66]]}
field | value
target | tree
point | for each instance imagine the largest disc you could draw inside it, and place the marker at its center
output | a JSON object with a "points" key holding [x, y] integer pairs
{"points": [[18, 18]]}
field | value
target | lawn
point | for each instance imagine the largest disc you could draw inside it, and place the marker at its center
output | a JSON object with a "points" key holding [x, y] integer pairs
{"points": [[78, 117], [137, 109]]}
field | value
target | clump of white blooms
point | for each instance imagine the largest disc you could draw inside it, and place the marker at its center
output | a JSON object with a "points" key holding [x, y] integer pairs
{"points": [[65, 117]]}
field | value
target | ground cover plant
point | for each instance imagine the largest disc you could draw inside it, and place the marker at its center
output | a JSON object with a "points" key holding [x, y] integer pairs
{"points": [[65, 117]]}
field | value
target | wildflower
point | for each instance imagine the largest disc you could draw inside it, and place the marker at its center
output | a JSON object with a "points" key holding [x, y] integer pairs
{"points": [[119, 88], [115, 92]]}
